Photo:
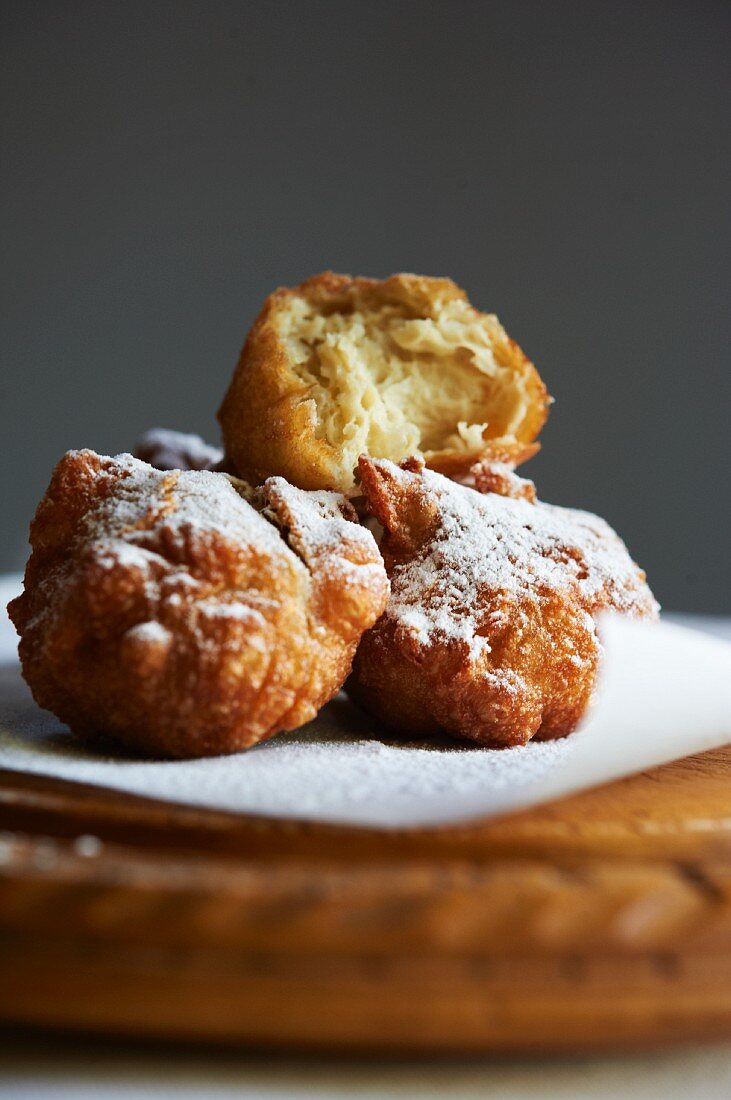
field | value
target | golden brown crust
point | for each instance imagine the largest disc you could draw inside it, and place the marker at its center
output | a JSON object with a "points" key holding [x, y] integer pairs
{"points": [[489, 631], [166, 611], [269, 420]]}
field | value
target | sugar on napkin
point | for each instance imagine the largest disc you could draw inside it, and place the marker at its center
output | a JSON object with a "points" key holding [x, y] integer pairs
{"points": [[664, 693]]}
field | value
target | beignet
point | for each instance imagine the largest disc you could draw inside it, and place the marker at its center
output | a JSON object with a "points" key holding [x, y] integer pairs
{"points": [[164, 609], [489, 630]]}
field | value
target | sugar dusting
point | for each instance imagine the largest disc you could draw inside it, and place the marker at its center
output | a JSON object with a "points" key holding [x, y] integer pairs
{"points": [[190, 502], [162, 527], [339, 767], [320, 523], [333, 769], [321, 520], [194, 507], [487, 543], [336, 768], [151, 631]]}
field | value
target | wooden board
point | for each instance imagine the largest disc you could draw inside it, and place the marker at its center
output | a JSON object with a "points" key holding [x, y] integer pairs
{"points": [[601, 921]]}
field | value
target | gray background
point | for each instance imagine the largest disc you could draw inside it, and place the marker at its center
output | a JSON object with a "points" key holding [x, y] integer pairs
{"points": [[165, 165]]}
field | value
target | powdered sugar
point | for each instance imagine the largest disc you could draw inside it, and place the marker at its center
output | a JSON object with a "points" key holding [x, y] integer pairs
{"points": [[150, 632], [485, 544], [319, 520], [667, 695], [322, 523], [336, 768], [169, 541], [190, 503]]}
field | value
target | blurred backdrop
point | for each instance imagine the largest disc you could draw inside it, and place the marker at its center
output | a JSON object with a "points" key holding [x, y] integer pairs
{"points": [[165, 165]]}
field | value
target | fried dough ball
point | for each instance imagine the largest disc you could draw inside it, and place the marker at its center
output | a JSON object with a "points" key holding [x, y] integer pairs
{"points": [[170, 450], [339, 366], [167, 611], [489, 631]]}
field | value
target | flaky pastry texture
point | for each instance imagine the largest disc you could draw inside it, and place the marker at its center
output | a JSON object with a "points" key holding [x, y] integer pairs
{"points": [[489, 631], [165, 610], [339, 366]]}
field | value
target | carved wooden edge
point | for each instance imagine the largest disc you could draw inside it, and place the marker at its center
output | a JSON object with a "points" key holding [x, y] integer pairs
{"points": [[82, 891], [145, 919], [431, 1005]]}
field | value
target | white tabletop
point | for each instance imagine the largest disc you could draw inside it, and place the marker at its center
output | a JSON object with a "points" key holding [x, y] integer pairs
{"points": [[42, 1069]]}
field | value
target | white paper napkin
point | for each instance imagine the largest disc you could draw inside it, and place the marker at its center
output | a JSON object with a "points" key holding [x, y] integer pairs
{"points": [[665, 692]]}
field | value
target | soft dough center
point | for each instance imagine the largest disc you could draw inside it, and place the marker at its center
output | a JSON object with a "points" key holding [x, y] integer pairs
{"points": [[390, 384]]}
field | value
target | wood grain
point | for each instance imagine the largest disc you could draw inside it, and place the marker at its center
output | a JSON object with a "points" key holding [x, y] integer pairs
{"points": [[602, 920]]}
